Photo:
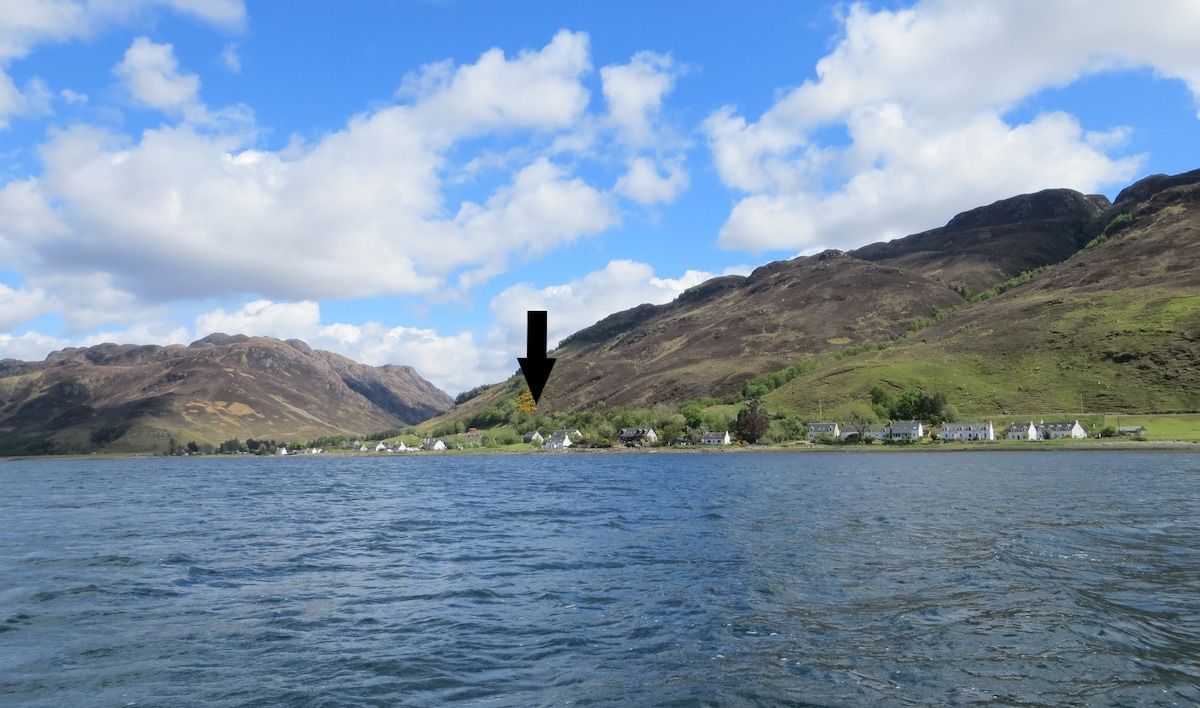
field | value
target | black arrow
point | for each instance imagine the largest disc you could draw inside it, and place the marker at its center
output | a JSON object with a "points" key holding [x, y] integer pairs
{"points": [[535, 364]]}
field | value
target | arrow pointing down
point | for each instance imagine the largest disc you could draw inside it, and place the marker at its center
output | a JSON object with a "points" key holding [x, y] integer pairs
{"points": [[535, 365]]}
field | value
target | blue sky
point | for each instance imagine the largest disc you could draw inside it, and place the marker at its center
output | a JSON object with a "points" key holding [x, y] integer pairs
{"points": [[401, 180]]}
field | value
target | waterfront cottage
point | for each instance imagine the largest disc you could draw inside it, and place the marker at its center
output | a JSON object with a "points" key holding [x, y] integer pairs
{"points": [[968, 431], [629, 436], [1023, 431], [717, 438], [533, 436], [816, 430], [1056, 431], [912, 430], [559, 440]]}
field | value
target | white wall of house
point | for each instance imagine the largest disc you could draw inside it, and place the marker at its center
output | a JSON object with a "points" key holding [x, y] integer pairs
{"points": [[969, 431], [1021, 431]]}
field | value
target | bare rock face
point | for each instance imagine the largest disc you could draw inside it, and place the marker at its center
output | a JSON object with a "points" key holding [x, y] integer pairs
{"points": [[1145, 188], [982, 247], [217, 388]]}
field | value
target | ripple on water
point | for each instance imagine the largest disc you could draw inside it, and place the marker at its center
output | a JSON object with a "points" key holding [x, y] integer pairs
{"points": [[634, 580]]}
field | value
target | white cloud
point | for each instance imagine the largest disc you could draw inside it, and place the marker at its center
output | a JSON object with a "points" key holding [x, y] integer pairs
{"points": [[262, 317], [536, 89], [643, 183], [30, 346], [923, 94], [24, 24], [20, 305], [150, 73], [73, 96], [453, 363], [359, 213], [230, 58], [635, 92]]}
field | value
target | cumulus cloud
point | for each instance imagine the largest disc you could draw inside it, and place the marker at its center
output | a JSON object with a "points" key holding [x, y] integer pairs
{"points": [[645, 184], [923, 94], [20, 305], [634, 93], [24, 24], [30, 346], [359, 213], [150, 73]]}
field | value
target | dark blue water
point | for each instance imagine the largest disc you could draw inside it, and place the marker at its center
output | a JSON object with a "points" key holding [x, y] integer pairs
{"points": [[1022, 579]]}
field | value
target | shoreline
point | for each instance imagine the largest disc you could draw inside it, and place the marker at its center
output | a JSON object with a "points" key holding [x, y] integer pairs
{"points": [[997, 447]]}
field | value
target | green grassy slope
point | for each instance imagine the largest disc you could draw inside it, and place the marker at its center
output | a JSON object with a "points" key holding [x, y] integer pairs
{"points": [[1114, 328]]}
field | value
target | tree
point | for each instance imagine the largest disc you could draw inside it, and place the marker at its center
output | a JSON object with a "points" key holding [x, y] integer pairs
{"points": [[881, 402], [793, 428], [525, 403], [859, 421], [693, 414], [750, 425]]}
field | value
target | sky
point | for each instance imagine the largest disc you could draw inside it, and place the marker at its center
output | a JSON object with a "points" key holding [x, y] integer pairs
{"points": [[400, 181]]}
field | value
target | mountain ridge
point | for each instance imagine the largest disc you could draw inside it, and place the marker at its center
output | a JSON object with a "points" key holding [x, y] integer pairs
{"points": [[216, 388], [664, 354]]}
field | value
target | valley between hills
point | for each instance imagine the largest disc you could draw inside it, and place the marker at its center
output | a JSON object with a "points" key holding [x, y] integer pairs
{"points": [[1052, 304]]}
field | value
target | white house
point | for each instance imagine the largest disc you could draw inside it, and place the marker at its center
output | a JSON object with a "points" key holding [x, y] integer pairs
{"points": [[637, 435], [968, 431], [717, 438], [1055, 431], [533, 436], [381, 447], [1023, 431], [431, 444], [816, 430], [877, 433], [558, 441], [913, 430]]}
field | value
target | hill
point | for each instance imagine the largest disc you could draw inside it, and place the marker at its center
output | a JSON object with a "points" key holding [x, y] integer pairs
{"points": [[714, 337], [1108, 320], [1114, 328], [217, 388]]}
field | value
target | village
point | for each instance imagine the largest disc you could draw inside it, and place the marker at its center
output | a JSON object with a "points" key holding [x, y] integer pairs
{"points": [[902, 432]]}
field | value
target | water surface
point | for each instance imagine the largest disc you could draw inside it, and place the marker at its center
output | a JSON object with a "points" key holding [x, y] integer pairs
{"points": [[1017, 578]]}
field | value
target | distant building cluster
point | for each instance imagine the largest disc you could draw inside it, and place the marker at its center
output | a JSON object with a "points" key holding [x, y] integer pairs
{"points": [[982, 431]]}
